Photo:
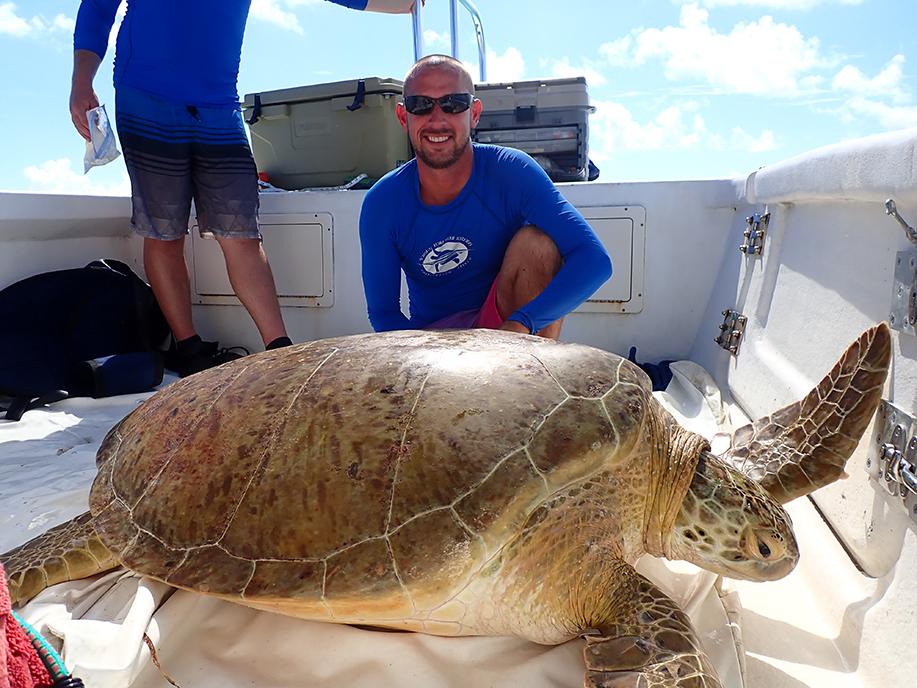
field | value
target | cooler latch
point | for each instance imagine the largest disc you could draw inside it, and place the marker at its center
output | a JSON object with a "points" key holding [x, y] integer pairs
{"points": [[256, 110], [359, 96]]}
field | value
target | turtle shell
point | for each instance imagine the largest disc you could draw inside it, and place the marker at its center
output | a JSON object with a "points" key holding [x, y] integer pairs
{"points": [[375, 472]]}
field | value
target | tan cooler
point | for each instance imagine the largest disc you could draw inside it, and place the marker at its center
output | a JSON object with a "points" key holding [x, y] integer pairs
{"points": [[327, 134]]}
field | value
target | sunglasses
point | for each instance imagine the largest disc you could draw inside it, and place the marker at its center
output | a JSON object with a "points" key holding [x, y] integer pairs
{"points": [[450, 104]]}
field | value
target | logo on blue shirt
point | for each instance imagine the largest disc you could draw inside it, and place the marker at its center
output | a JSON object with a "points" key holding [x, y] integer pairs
{"points": [[445, 256]]}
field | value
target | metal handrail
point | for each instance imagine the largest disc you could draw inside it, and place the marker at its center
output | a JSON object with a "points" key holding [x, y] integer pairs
{"points": [[453, 26], [479, 33], [418, 30]]}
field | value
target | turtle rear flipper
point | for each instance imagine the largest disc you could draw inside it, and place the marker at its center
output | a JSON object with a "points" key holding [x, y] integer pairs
{"points": [[70, 551], [647, 640], [805, 445]]}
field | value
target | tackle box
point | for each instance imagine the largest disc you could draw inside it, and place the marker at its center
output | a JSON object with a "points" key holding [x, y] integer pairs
{"points": [[327, 134], [546, 118]]}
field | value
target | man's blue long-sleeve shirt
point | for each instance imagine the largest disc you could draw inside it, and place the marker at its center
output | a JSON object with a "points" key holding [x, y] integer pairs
{"points": [[451, 254], [184, 51]]}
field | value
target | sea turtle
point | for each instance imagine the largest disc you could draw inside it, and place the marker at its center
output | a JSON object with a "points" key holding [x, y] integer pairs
{"points": [[454, 483]]}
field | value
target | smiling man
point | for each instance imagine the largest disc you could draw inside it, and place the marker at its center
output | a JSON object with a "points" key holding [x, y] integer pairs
{"points": [[483, 236]]}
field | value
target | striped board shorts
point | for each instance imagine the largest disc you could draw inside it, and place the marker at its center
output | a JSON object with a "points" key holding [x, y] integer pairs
{"points": [[178, 153]]}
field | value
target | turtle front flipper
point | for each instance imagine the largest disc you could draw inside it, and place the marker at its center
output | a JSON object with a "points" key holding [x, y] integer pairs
{"points": [[70, 551], [645, 640], [805, 445]]}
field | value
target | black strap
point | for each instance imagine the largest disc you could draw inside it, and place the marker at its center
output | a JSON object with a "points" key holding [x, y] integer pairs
{"points": [[19, 405], [359, 96], [256, 110]]}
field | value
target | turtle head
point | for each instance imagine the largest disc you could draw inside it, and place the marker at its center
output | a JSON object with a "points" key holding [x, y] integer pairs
{"points": [[729, 525]]}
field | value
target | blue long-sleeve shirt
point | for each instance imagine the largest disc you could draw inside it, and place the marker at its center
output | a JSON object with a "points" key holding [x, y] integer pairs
{"points": [[451, 254], [185, 51]]}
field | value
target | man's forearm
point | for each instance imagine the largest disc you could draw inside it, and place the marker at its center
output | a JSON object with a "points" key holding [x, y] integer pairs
{"points": [[85, 65], [386, 320]]}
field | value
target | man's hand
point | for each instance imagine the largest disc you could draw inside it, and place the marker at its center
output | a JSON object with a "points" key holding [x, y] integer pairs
{"points": [[82, 96], [514, 326], [82, 99]]}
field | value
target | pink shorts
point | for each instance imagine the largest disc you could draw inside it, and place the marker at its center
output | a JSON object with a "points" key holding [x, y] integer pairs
{"points": [[487, 316]]}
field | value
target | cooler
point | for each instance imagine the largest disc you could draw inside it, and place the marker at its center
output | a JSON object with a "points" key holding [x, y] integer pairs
{"points": [[327, 134], [546, 118]]}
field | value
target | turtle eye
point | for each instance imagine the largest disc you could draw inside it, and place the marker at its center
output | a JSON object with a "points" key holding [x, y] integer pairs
{"points": [[764, 549]]}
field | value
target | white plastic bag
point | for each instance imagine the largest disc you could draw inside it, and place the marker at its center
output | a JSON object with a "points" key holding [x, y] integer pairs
{"points": [[101, 148]]}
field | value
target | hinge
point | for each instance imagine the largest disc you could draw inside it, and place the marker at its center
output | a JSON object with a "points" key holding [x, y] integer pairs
{"points": [[903, 315], [892, 457], [731, 331], [755, 233]]}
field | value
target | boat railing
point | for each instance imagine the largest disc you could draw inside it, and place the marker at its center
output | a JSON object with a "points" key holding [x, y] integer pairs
{"points": [[454, 31]]}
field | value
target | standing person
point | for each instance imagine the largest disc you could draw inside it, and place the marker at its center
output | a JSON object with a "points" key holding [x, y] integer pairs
{"points": [[483, 236], [181, 131]]}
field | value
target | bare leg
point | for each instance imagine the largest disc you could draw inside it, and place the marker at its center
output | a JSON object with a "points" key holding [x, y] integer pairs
{"points": [[252, 280], [529, 264], [164, 263]]}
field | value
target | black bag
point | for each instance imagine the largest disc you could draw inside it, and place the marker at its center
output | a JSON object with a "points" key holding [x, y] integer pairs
{"points": [[59, 328]]}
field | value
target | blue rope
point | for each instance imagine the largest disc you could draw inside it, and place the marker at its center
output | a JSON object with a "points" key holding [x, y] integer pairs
{"points": [[51, 659]]}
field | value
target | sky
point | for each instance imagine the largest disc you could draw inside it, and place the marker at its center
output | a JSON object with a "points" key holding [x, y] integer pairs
{"points": [[682, 89]]}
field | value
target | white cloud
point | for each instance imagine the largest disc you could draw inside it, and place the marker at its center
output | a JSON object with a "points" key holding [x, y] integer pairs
{"points": [[59, 176], [563, 68], [435, 39], [506, 67], [763, 142], [890, 117], [12, 24], [888, 83], [775, 4], [761, 57], [62, 22], [271, 12], [613, 128], [617, 53]]}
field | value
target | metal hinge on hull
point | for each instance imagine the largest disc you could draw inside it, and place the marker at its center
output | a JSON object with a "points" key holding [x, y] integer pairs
{"points": [[892, 457], [903, 311], [755, 233], [731, 330]]}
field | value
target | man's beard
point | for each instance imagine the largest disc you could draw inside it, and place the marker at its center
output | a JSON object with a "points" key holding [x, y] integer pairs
{"points": [[442, 164]]}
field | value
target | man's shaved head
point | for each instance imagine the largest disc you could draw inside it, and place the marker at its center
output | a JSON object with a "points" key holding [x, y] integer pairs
{"points": [[443, 63]]}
